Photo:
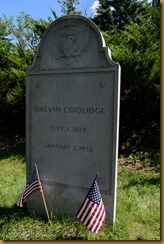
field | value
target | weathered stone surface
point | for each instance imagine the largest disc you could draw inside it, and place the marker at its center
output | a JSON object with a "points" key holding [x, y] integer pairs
{"points": [[72, 104]]}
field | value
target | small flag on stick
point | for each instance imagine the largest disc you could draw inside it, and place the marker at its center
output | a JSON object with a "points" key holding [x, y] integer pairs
{"points": [[32, 185], [92, 212]]}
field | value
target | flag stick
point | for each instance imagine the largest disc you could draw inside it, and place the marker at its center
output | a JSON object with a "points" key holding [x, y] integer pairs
{"points": [[44, 201], [97, 175]]}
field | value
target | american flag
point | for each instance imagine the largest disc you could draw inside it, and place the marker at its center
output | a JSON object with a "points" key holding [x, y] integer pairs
{"points": [[92, 212], [33, 185]]}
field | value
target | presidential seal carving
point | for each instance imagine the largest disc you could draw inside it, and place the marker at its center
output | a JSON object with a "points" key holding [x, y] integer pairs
{"points": [[69, 44]]}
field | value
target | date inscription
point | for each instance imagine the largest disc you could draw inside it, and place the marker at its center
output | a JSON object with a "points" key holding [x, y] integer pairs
{"points": [[67, 147], [77, 129]]}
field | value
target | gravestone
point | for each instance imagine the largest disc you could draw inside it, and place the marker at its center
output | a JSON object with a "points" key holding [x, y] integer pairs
{"points": [[72, 117]]}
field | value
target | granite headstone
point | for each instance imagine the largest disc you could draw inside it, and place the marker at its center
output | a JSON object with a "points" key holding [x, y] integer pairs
{"points": [[72, 117]]}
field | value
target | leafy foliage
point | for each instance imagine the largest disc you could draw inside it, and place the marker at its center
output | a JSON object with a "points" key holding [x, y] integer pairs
{"points": [[41, 25], [113, 14], [14, 60], [69, 6], [137, 49]]}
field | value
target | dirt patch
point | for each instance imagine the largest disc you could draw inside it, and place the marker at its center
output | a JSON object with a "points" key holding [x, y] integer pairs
{"points": [[141, 165]]}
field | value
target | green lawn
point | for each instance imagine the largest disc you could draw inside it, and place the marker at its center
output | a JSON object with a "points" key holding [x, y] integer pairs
{"points": [[137, 215]]}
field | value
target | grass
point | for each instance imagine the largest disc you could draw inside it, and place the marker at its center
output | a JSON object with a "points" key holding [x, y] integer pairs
{"points": [[137, 213]]}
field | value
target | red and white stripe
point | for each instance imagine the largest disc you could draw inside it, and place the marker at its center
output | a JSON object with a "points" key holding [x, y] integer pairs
{"points": [[30, 188], [92, 215]]}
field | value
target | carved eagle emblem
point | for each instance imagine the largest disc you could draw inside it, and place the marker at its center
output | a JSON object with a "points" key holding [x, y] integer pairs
{"points": [[69, 44]]}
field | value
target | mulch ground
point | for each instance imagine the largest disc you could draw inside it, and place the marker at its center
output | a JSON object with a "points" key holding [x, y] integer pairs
{"points": [[129, 163]]}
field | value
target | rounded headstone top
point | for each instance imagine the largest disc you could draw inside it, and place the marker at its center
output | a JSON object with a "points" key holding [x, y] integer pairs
{"points": [[72, 41]]}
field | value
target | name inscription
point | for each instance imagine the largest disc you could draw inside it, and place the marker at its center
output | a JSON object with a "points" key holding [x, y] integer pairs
{"points": [[72, 110], [69, 129]]}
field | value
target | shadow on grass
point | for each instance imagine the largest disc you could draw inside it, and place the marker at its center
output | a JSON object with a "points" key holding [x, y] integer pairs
{"points": [[143, 182], [16, 213], [10, 217], [18, 149], [7, 213]]}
